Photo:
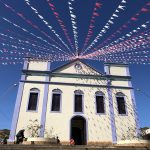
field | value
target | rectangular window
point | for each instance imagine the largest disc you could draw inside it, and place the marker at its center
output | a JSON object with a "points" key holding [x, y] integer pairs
{"points": [[100, 104], [33, 101], [121, 105], [78, 103], [56, 102]]}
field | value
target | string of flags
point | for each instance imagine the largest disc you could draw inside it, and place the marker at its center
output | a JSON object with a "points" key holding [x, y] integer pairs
{"points": [[26, 43], [21, 15], [129, 43], [108, 25], [74, 24], [134, 42], [32, 34], [46, 23], [127, 35], [95, 15], [127, 25], [61, 23]]}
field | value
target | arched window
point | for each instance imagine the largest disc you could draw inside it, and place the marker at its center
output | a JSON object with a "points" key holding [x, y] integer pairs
{"points": [[33, 99], [99, 98], [78, 101], [56, 99], [120, 97]]}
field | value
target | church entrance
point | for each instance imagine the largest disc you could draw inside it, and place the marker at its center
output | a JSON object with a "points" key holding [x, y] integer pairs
{"points": [[78, 130]]}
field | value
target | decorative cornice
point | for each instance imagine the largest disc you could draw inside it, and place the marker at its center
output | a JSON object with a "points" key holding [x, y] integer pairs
{"points": [[69, 75], [116, 64], [76, 84]]}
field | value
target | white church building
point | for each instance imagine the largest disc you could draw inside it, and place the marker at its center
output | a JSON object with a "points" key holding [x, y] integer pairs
{"points": [[76, 101]]}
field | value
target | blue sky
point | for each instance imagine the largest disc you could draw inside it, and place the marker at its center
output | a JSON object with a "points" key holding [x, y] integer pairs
{"points": [[11, 73]]}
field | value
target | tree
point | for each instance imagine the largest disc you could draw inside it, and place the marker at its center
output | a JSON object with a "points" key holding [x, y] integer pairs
{"points": [[4, 133], [143, 133]]}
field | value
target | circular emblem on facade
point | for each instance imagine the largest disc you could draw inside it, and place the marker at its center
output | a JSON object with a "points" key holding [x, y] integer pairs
{"points": [[78, 66]]}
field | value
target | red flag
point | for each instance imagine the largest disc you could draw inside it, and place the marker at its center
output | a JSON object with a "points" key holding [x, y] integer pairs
{"points": [[98, 5], [95, 9], [137, 14], [91, 26], [144, 10], [134, 19], [52, 8], [20, 14], [125, 26], [148, 4], [95, 14], [56, 13], [51, 5]]}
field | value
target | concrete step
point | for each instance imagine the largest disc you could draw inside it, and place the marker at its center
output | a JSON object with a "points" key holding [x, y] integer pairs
{"points": [[49, 147]]}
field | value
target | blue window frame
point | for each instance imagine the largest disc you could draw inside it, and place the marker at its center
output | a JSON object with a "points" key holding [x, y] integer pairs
{"points": [[33, 99], [56, 100], [99, 101], [78, 101], [120, 97]]}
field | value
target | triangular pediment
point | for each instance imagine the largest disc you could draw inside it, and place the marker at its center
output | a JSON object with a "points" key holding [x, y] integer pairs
{"points": [[77, 67]]}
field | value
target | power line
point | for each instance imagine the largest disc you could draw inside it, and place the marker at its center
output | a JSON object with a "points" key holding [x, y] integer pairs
{"points": [[144, 93]]}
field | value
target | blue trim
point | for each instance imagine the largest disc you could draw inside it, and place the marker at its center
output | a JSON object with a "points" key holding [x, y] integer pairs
{"points": [[126, 114], [82, 112], [37, 91], [45, 99], [107, 70], [112, 115], [60, 110], [104, 104], [26, 65], [17, 106]]}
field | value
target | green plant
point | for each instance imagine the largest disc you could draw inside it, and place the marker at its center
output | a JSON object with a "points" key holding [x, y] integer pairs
{"points": [[34, 128], [51, 133]]}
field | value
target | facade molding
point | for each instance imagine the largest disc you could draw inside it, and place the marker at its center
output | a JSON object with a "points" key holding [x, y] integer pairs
{"points": [[69, 75], [116, 64], [76, 84]]}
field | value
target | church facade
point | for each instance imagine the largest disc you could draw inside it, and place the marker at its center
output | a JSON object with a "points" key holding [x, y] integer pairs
{"points": [[76, 101]]}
